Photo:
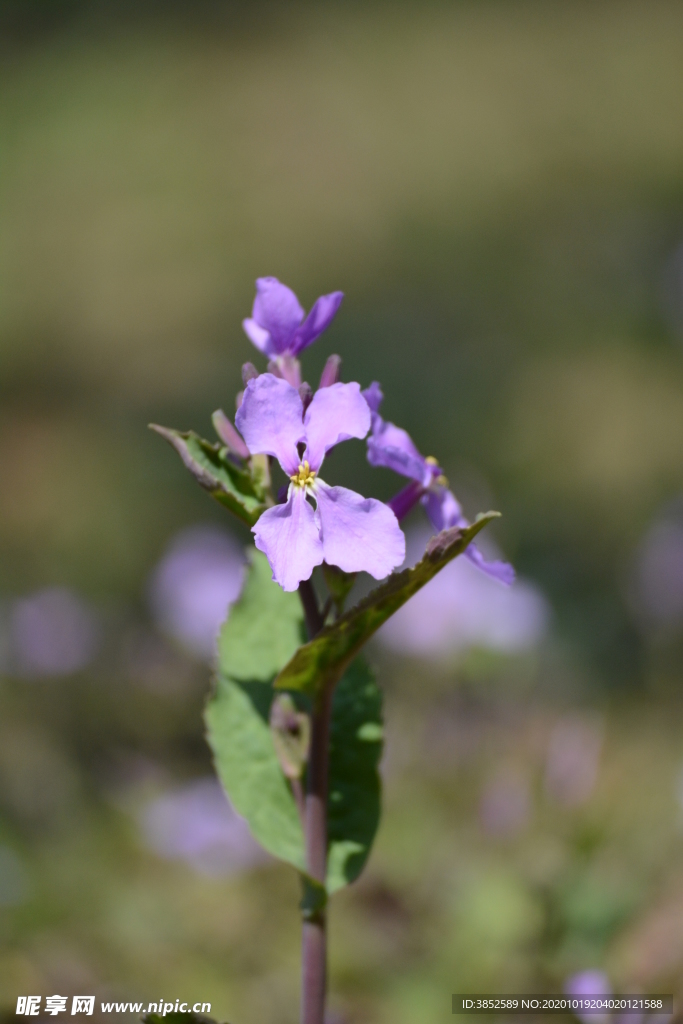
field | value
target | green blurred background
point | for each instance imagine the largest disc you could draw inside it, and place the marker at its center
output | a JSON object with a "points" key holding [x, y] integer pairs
{"points": [[498, 189]]}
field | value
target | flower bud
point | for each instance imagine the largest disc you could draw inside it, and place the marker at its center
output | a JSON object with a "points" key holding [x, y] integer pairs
{"points": [[306, 394], [228, 435], [330, 374], [249, 372]]}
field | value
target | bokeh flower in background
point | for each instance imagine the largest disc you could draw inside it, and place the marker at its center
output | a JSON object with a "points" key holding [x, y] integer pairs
{"points": [[505, 805], [573, 760], [658, 582], [197, 824], [53, 632], [463, 608], [588, 983], [198, 578]]}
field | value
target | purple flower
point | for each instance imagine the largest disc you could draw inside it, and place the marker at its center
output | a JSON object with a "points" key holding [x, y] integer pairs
{"points": [[354, 533], [505, 807], [54, 633], [197, 824], [192, 588], [587, 984], [277, 326], [392, 447]]}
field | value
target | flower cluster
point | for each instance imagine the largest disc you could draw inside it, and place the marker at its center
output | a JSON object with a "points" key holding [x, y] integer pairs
{"points": [[280, 417]]}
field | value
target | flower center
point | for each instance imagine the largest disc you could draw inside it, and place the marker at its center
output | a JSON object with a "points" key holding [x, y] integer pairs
{"points": [[305, 476], [441, 479]]}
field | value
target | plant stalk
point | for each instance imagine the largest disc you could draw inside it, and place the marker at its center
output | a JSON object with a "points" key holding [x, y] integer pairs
{"points": [[314, 936], [309, 601]]}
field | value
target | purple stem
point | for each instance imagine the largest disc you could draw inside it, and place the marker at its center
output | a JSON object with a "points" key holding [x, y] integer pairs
{"points": [[314, 937], [314, 620]]}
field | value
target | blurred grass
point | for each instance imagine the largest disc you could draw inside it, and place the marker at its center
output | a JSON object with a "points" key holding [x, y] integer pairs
{"points": [[498, 188]]}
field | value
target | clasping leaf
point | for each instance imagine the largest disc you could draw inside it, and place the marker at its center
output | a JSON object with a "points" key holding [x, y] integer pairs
{"points": [[322, 661], [240, 487]]}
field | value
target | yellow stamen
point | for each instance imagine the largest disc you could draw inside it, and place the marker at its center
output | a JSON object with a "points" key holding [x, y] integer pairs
{"points": [[305, 476], [441, 479]]}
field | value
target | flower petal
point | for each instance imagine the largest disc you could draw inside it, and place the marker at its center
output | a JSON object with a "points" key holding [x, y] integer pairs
{"points": [[228, 435], [270, 419], [358, 534], [443, 509], [374, 396], [258, 336], [392, 447], [289, 536], [330, 374], [278, 311], [336, 414], [318, 320], [501, 571]]}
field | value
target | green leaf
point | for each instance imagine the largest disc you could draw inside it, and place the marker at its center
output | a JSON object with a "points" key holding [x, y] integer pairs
{"points": [[262, 632], [264, 628], [234, 486], [237, 723], [353, 807], [323, 660]]}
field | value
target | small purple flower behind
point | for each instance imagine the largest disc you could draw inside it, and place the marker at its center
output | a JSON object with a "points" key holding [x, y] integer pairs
{"points": [[197, 824], [278, 325], [192, 588], [393, 448], [53, 633], [591, 984], [354, 533], [464, 609]]}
